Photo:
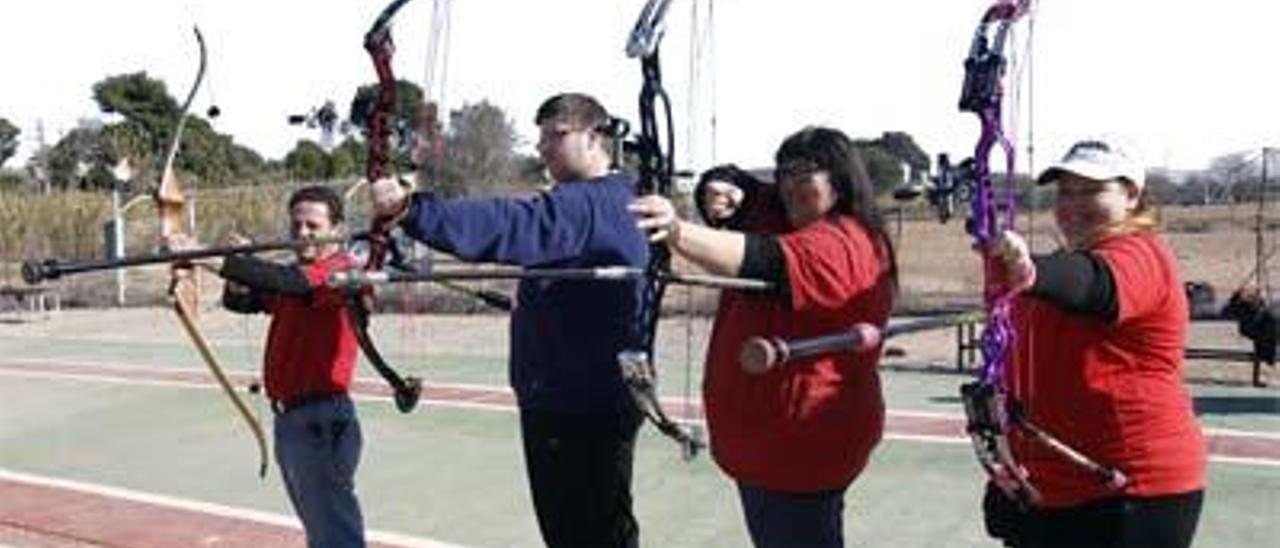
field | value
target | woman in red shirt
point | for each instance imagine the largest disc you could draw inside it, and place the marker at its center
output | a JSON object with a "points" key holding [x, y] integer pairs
{"points": [[795, 437], [1101, 327]]}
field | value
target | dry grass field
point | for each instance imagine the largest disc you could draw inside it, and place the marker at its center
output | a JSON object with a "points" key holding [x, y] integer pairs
{"points": [[1214, 244]]}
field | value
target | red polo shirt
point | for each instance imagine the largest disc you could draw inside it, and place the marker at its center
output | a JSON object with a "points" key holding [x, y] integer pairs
{"points": [[1112, 390], [311, 348], [811, 424]]}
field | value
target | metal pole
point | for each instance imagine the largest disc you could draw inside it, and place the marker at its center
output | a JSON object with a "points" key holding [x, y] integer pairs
{"points": [[898, 240], [1264, 284], [118, 241], [1031, 132]]}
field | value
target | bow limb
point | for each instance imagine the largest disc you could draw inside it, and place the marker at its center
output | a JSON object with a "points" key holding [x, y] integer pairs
{"points": [[406, 391], [187, 317], [656, 171], [173, 211], [641, 379]]}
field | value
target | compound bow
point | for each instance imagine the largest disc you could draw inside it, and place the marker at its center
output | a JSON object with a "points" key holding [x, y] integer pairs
{"points": [[377, 41], [656, 171], [991, 411]]}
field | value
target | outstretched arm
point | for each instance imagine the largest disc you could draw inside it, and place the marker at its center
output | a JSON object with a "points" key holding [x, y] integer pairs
{"points": [[248, 278], [1078, 282], [720, 252]]}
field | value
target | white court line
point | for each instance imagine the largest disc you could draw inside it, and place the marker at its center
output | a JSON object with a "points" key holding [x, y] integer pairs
{"points": [[201, 507], [908, 413], [107, 378], [926, 438], [234, 373], [455, 404], [1243, 433]]}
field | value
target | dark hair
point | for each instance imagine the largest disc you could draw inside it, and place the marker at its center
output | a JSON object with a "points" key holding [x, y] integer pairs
{"points": [[817, 148], [579, 110], [323, 195]]}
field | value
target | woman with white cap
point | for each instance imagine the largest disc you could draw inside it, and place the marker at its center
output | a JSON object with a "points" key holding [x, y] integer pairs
{"points": [[1101, 327]]}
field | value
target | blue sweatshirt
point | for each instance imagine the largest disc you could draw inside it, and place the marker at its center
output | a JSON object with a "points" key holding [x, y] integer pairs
{"points": [[565, 334]]}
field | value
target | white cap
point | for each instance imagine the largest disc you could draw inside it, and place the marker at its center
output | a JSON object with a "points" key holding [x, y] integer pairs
{"points": [[1100, 159]]}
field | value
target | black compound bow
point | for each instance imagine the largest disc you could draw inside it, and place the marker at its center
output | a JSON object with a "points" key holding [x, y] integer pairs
{"points": [[654, 145]]}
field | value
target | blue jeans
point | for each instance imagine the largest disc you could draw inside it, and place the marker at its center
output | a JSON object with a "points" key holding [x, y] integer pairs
{"points": [[318, 450], [780, 519]]}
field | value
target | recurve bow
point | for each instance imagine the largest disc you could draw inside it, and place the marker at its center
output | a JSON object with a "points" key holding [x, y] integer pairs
{"points": [[172, 206]]}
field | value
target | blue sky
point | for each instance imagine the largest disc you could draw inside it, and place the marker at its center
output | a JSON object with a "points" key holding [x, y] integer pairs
{"points": [[1187, 81]]}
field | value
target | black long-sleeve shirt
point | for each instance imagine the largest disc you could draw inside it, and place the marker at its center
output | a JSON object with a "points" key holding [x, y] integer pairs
{"points": [[1078, 282], [261, 277]]}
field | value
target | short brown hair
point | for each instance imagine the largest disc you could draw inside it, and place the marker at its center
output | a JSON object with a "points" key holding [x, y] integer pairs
{"points": [[323, 195], [579, 110]]}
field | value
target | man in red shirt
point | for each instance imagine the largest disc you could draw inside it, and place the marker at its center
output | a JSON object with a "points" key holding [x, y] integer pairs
{"points": [[310, 360]]}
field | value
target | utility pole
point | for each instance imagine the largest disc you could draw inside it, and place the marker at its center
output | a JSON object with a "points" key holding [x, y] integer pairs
{"points": [[1259, 225], [42, 178]]}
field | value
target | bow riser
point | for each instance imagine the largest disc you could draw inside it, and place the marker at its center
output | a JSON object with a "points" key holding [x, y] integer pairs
{"points": [[381, 48]]}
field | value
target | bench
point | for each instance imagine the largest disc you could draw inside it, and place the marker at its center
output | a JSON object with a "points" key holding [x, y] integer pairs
{"points": [[27, 302], [968, 344]]}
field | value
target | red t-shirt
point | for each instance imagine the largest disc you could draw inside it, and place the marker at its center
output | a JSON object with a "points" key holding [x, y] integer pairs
{"points": [[1112, 390], [311, 345], [809, 425]]}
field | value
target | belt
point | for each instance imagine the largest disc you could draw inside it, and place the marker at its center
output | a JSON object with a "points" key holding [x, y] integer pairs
{"points": [[284, 406]]}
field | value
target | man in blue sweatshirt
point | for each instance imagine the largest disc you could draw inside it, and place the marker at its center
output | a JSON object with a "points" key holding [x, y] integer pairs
{"points": [[577, 419]]}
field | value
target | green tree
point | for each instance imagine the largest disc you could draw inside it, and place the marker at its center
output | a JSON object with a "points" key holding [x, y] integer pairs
{"points": [[142, 101], [409, 99], [8, 140], [246, 163], [347, 159], [883, 167], [307, 162], [82, 160], [902, 146], [476, 153], [406, 124], [150, 116], [481, 148], [130, 141]]}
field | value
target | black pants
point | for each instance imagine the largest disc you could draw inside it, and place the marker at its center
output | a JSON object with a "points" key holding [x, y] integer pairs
{"points": [[789, 519], [579, 468], [1122, 522]]}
